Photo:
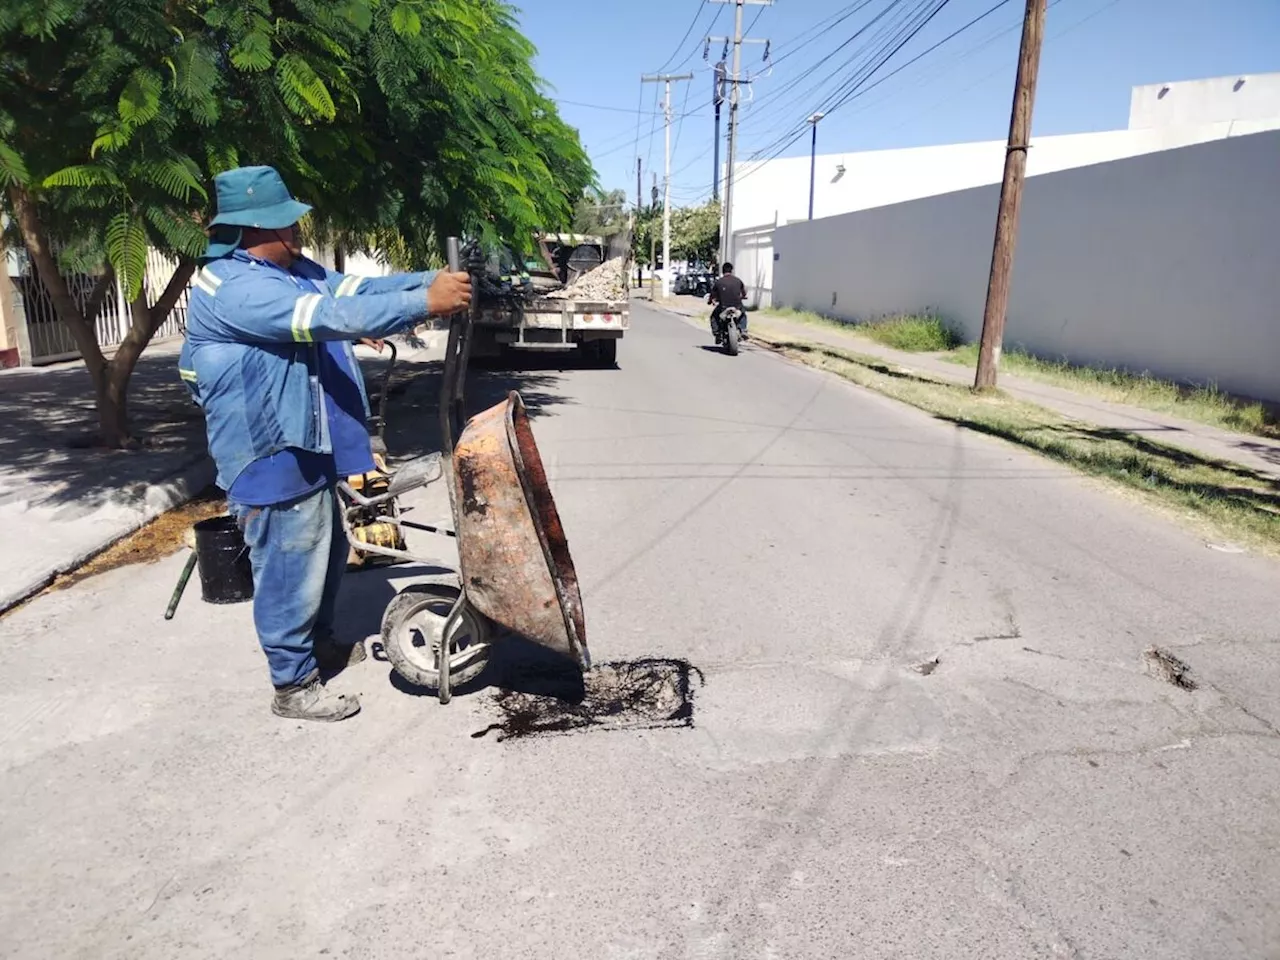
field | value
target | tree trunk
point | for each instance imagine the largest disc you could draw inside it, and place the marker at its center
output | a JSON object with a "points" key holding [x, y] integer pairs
{"points": [[113, 410], [64, 304], [110, 378], [113, 396]]}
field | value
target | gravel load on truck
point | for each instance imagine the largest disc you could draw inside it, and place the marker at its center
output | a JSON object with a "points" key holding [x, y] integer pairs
{"points": [[605, 282]]}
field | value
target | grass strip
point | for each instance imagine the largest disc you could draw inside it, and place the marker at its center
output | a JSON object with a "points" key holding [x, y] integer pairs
{"points": [[1204, 404], [1223, 499], [930, 334]]}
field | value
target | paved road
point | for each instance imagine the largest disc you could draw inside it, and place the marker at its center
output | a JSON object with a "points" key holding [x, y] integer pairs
{"points": [[789, 548]]}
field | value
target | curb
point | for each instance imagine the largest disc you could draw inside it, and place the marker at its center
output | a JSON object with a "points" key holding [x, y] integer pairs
{"points": [[153, 499]]}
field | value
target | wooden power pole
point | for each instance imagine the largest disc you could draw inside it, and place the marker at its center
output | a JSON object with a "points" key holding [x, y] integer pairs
{"points": [[1015, 170]]}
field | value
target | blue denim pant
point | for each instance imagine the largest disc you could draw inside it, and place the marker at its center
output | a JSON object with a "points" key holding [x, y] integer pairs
{"points": [[299, 553]]}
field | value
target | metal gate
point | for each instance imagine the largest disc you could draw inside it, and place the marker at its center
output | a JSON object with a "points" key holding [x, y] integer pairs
{"points": [[50, 339]]}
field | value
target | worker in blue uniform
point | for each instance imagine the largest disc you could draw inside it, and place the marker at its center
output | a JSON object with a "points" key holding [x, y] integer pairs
{"points": [[269, 358]]}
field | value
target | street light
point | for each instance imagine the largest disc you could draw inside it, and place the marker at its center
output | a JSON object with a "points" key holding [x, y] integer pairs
{"points": [[813, 157]]}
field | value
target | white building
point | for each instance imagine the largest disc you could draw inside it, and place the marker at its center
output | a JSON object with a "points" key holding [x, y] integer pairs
{"points": [[1161, 116]]}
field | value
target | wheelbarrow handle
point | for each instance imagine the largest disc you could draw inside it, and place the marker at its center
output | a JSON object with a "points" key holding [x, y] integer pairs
{"points": [[182, 585], [457, 354]]}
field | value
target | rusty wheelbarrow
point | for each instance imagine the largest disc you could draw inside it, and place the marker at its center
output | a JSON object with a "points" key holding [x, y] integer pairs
{"points": [[516, 571]]}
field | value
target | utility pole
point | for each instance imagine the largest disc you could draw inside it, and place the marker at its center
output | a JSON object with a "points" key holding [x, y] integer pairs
{"points": [[653, 240], [736, 81], [717, 99], [639, 267], [996, 310], [667, 79]]}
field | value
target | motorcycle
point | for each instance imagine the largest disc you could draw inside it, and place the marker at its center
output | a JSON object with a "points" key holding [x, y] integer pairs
{"points": [[728, 329]]}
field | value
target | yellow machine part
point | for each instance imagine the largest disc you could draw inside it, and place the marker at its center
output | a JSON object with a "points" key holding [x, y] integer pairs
{"points": [[372, 484], [380, 534]]}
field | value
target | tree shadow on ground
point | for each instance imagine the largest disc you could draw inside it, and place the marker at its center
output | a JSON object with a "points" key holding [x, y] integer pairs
{"points": [[47, 457], [49, 422], [1267, 451], [1150, 462]]}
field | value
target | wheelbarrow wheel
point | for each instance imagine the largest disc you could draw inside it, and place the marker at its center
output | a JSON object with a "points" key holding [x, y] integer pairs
{"points": [[411, 633]]}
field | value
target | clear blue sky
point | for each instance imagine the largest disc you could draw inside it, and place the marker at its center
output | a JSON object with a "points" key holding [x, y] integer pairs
{"points": [[594, 53]]}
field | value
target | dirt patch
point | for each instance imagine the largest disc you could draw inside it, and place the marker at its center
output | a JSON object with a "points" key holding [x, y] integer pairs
{"points": [[162, 537], [648, 694]]}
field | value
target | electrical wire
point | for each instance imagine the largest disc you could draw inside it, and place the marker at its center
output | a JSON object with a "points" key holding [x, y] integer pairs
{"points": [[840, 17], [1003, 69], [679, 46], [771, 96], [861, 88], [893, 37], [847, 91], [928, 50], [612, 109]]}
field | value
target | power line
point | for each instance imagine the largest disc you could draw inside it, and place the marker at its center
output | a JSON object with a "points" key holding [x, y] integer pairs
{"points": [[688, 33], [850, 88], [813, 68], [684, 107], [893, 37], [715, 19], [829, 22], [653, 129], [951, 62], [1003, 69], [951, 36], [819, 28], [613, 109]]}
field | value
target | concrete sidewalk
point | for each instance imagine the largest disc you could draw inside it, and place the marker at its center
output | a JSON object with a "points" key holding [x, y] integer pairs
{"points": [[1259, 454], [63, 501]]}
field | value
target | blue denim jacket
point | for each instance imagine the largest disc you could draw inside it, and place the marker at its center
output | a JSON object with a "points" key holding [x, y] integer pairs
{"points": [[250, 358]]}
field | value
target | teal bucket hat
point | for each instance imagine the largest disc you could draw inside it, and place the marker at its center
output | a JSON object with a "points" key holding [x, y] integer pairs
{"points": [[250, 197]]}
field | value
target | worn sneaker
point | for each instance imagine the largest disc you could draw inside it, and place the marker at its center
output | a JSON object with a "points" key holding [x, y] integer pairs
{"points": [[332, 656], [310, 700]]}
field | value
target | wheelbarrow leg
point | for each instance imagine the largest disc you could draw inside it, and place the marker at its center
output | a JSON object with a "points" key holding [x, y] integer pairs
{"points": [[444, 689]]}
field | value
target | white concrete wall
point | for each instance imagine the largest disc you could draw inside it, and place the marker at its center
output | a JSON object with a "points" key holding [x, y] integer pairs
{"points": [[1240, 97], [1164, 262], [356, 264], [780, 189], [363, 265]]}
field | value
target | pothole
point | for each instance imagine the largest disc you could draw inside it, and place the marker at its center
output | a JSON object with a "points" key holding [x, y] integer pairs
{"points": [[926, 667], [1163, 665], [647, 694]]}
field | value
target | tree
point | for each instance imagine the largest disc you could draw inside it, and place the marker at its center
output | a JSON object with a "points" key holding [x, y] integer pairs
{"points": [[602, 214], [695, 232], [401, 122]]}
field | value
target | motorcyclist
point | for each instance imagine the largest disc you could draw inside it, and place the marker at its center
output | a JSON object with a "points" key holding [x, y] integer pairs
{"points": [[728, 291]]}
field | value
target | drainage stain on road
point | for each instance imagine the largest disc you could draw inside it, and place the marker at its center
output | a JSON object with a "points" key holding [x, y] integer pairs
{"points": [[645, 694]]}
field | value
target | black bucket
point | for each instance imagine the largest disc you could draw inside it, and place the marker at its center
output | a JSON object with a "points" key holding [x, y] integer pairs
{"points": [[223, 558]]}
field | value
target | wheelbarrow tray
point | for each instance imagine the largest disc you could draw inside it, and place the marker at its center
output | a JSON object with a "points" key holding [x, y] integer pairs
{"points": [[511, 545]]}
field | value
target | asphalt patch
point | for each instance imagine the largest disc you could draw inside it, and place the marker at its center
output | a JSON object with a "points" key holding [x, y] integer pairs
{"points": [[646, 694]]}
